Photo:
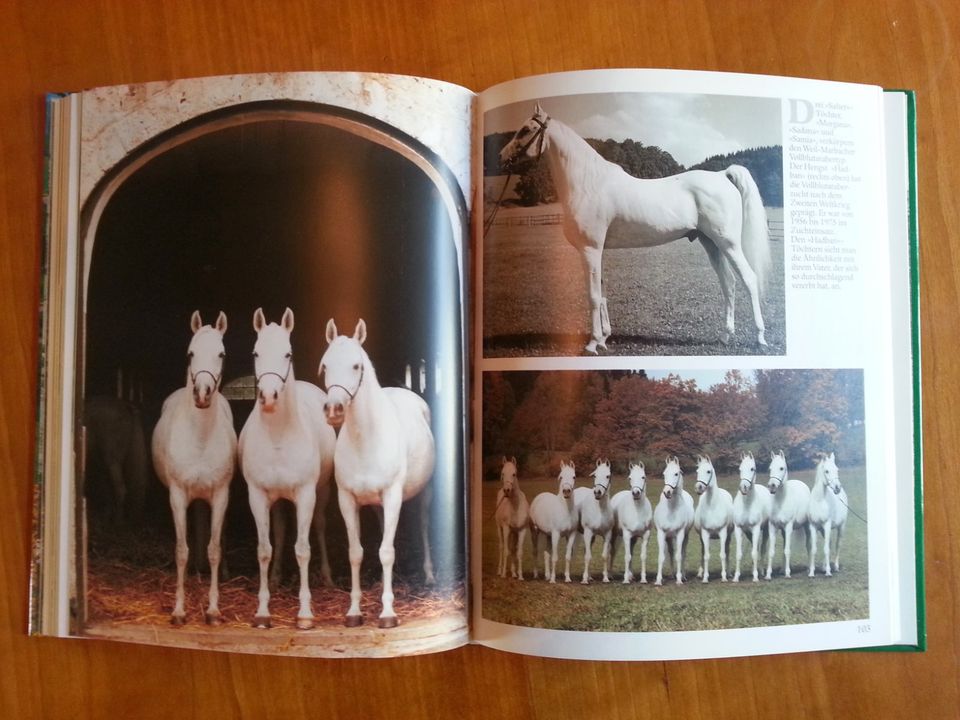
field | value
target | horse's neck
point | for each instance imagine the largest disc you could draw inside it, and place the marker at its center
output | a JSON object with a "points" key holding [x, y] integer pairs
{"points": [[820, 482], [369, 404], [573, 163], [287, 411]]}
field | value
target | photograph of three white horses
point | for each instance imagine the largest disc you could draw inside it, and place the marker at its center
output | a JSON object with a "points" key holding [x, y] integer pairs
{"points": [[634, 224], [643, 501], [272, 406]]}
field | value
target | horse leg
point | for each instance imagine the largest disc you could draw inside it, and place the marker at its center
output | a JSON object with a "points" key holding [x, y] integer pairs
{"points": [[705, 554], [661, 555], [771, 548], [260, 508], [278, 528], [727, 285], [607, 542], [502, 550], [521, 535], [320, 531], [306, 501], [587, 545], [218, 509], [535, 543], [643, 556], [351, 520], [734, 254], [426, 495], [627, 556], [738, 536], [178, 506], [754, 550], [571, 540], [392, 499], [836, 563], [592, 268], [724, 552], [681, 546], [827, 529]]}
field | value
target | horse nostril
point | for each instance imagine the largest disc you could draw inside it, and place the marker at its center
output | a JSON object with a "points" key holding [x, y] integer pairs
{"points": [[275, 394]]}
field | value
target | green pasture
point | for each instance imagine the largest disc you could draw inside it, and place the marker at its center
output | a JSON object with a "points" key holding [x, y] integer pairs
{"points": [[693, 605]]}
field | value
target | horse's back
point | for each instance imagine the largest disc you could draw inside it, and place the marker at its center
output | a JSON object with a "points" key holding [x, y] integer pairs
{"points": [[413, 415]]}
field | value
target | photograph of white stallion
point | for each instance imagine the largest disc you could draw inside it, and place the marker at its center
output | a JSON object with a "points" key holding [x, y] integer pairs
{"points": [[633, 518], [827, 511], [286, 452], [721, 209], [512, 517], [789, 505], [713, 517], [751, 513], [673, 519], [555, 516], [194, 449], [385, 455], [596, 517]]}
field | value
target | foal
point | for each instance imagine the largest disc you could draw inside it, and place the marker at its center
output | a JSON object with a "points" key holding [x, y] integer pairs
{"points": [[512, 517]]}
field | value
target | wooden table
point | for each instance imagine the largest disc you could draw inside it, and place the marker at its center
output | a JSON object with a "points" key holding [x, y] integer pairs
{"points": [[68, 45]]}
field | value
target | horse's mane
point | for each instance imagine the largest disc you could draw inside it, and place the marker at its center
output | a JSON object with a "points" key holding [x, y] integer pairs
{"points": [[571, 146]]}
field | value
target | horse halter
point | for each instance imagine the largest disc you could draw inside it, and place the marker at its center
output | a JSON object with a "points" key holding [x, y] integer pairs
{"points": [[356, 389], [537, 137], [194, 375], [283, 378]]}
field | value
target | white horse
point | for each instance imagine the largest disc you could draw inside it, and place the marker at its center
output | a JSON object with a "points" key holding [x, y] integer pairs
{"points": [[790, 501], [722, 209], [194, 451], [555, 515], [596, 517], [673, 519], [828, 510], [713, 517], [286, 452], [512, 517], [385, 456], [633, 515], [751, 511]]}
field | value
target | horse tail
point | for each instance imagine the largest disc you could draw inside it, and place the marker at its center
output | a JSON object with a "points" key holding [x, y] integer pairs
{"points": [[755, 236]]}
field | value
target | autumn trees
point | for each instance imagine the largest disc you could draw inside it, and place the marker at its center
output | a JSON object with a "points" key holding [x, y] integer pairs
{"points": [[624, 415]]}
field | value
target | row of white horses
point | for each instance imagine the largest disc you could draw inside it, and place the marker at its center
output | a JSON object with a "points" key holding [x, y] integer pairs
{"points": [[289, 448], [782, 504]]}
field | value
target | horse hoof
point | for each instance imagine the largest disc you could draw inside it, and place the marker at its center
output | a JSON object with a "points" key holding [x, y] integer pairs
{"points": [[304, 623], [177, 620], [213, 618], [353, 620], [388, 622], [262, 622]]}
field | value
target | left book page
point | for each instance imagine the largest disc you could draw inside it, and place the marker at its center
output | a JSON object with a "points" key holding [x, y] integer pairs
{"points": [[251, 426]]}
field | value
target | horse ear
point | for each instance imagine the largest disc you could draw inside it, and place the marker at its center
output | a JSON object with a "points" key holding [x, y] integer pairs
{"points": [[195, 322], [513, 459], [537, 110], [287, 320], [258, 320], [832, 457], [360, 333], [331, 331], [221, 322], [640, 464]]}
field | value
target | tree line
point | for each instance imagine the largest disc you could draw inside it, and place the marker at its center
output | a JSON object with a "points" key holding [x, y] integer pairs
{"points": [[535, 186], [626, 416]]}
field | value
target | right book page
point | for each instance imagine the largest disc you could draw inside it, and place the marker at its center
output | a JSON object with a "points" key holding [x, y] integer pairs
{"points": [[693, 400]]}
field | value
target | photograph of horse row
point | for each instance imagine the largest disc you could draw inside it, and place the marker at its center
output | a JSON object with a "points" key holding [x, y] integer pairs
{"points": [[634, 224], [599, 485], [273, 309]]}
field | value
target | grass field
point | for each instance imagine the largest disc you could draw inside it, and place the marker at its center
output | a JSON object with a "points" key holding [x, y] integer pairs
{"points": [[693, 605], [664, 300]]}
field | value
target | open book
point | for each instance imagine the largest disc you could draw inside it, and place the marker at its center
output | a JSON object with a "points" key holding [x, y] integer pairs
{"points": [[610, 364]]}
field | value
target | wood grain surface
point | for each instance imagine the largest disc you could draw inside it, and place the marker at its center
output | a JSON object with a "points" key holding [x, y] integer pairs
{"points": [[71, 45]]}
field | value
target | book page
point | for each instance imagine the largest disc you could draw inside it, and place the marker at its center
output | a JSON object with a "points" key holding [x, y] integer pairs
{"points": [[684, 358], [269, 323]]}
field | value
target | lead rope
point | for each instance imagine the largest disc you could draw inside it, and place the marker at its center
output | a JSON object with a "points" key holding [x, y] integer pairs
{"points": [[496, 208], [855, 513]]}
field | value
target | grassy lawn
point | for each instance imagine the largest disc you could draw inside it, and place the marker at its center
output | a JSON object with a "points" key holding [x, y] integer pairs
{"points": [[694, 605]]}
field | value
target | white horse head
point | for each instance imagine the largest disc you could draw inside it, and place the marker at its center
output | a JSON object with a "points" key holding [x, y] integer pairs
{"points": [[827, 464], [638, 480], [778, 471], [672, 476], [601, 478], [508, 475], [567, 478], [529, 141], [748, 472], [706, 475], [205, 358], [344, 366], [272, 358]]}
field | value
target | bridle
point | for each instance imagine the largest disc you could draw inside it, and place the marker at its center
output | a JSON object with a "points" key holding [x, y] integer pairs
{"points": [[677, 483], [537, 137], [710, 476], [356, 389], [194, 375], [283, 378]]}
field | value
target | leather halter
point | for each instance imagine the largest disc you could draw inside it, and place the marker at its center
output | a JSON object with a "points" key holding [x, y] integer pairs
{"points": [[356, 389], [283, 378]]}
